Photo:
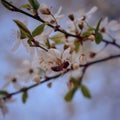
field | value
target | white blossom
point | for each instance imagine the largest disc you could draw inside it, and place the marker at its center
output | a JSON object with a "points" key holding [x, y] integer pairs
{"points": [[53, 58], [57, 16], [86, 15], [117, 35], [80, 19], [107, 28], [29, 71], [12, 79]]}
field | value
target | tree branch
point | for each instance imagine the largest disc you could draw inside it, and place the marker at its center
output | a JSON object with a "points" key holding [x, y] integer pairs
{"points": [[85, 67], [95, 62], [112, 43], [15, 9]]}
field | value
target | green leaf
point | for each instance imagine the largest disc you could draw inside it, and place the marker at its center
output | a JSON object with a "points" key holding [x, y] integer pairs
{"points": [[23, 28], [22, 35], [85, 91], [26, 6], [3, 92], [34, 3], [38, 30], [6, 5], [24, 97], [77, 46], [48, 44], [98, 35], [68, 97], [98, 25], [29, 42], [58, 39]]}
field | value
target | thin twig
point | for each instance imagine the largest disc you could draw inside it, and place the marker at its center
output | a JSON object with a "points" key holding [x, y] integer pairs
{"points": [[112, 43]]}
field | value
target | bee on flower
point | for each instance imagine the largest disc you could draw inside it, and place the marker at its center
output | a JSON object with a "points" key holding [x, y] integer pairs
{"points": [[55, 60]]}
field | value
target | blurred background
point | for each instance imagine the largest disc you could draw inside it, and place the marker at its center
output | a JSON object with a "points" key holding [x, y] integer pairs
{"points": [[48, 103]]}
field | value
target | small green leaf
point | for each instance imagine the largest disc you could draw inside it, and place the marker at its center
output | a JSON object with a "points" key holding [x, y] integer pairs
{"points": [[23, 28], [22, 35], [2, 92], [6, 5], [38, 30], [98, 25], [34, 3], [48, 44], [58, 39], [98, 35], [77, 45], [68, 97], [85, 91], [26, 6], [29, 42], [24, 97]]}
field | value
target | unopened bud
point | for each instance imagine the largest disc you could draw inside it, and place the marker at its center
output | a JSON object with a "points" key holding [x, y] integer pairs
{"points": [[49, 85], [91, 37], [81, 25], [71, 17], [83, 59], [75, 66], [37, 79]]}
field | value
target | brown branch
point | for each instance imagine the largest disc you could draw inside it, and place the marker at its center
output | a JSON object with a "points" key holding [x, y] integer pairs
{"points": [[111, 43], [59, 75], [34, 85], [15, 9], [95, 62]]}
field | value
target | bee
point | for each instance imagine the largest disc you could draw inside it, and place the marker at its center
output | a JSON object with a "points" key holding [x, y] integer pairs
{"points": [[59, 68]]}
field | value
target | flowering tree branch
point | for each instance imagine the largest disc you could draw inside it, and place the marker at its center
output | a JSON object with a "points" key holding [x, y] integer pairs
{"points": [[15, 9], [51, 60], [84, 67]]}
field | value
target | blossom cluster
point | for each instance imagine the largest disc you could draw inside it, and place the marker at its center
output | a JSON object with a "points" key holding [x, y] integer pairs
{"points": [[54, 50]]}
